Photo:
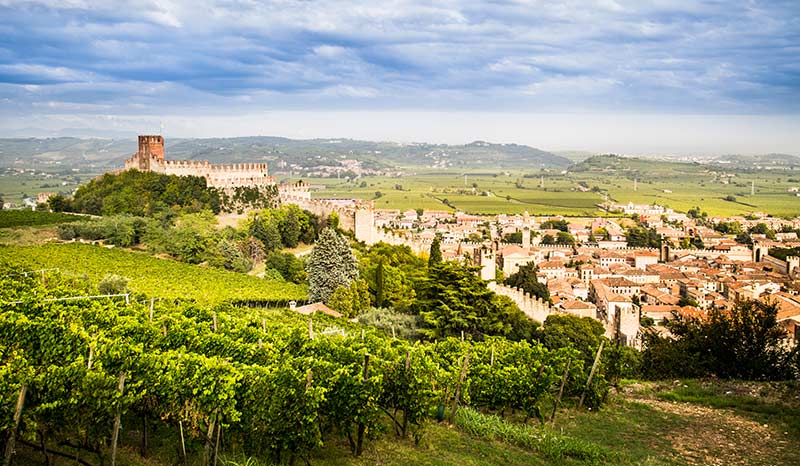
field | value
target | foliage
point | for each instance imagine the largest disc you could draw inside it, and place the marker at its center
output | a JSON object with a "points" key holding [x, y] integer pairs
{"points": [[350, 300], [26, 218], [565, 238], [144, 194], [112, 284], [435, 256], [525, 278], [391, 273], [762, 229], [278, 393], [744, 342], [555, 225], [119, 230], [59, 203], [639, 237], [287, 264], [515, 237], [330, 265], [286, 226], [453, 298], [399, 324], [729, 228], [783, 253], [565, 330]]}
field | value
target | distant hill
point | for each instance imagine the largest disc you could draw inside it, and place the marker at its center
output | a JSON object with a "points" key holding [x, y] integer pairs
{"points": [[759, 161], [293, 153], [632, 166]]}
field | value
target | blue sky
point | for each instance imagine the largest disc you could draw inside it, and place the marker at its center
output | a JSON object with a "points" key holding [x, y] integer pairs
{"points": [[467, 69]]}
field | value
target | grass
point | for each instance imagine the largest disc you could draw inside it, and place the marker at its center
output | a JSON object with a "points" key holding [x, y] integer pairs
{"points": [[152, 276], [554, 446]]}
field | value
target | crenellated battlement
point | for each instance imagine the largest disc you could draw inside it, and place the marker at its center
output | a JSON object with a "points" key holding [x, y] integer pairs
{"points": [[150, 157]]}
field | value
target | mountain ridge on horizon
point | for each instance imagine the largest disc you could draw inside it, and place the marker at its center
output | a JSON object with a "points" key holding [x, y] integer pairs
{"points": [[106, 153]]}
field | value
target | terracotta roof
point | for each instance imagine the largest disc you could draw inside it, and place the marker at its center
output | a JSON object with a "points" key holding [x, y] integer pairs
{"points": [[309, 309], [576, 305]]}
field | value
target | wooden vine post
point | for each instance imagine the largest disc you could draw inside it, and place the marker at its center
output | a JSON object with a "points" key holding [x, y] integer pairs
{"points": [[115, 435], [183, 443], [10, 444], [405, 408], [209, 439], [591, 374], [457, 395], [361, 426], [561, 389]]}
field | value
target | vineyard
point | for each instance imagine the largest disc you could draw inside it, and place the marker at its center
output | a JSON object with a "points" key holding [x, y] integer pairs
{"points": [[161, 278], [28, 218], [199, 381]]}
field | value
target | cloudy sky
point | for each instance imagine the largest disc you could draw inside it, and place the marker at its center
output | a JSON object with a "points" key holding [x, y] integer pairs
{"points": [[638, 76]]}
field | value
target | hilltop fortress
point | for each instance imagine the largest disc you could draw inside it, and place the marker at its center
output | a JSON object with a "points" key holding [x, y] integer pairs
{"points": [[150, 157], [355, 215]]}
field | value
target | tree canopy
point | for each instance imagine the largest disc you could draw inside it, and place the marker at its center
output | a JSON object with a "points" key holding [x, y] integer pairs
{"points": [[330, 265], [525, 279], [452, 298]]}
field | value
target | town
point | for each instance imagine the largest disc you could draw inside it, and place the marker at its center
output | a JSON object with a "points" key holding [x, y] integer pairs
{"points": [[590, 267]]}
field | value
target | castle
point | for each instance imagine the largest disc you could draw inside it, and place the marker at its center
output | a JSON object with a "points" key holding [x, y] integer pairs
{"points": [[150, 157], [355, 215]]}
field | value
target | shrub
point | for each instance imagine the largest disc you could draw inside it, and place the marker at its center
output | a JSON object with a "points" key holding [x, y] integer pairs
{"points": [[113, 284]]}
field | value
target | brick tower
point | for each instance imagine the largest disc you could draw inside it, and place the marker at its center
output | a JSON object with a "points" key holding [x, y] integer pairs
{"points": [[150, 147]]}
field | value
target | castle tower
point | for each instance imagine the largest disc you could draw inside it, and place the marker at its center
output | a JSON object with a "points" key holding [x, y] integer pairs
{"points": [[365, 222], [792, 265], [526, 238], [488, 264], [663, 255], [760, 251], [149, 147]]}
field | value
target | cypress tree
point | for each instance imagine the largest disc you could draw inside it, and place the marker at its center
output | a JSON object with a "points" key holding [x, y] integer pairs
{"points": [[330, 265], [379, 278], [436, 252]]}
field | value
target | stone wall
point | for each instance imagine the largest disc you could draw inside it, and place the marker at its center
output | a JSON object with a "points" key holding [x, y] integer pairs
{"points": [[533, 307]]}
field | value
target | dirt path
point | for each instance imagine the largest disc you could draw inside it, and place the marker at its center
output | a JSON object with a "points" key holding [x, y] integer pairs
{"points": [[723, 437]]}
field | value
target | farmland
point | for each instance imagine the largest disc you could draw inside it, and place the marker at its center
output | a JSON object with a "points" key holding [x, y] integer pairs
{"points": [[679, 186]]}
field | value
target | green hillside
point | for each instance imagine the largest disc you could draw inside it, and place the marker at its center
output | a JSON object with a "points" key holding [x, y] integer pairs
{"points": [[152, 276]]}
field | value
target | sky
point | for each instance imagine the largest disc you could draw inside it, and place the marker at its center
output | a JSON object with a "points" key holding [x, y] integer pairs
{"points": [[638, 77]]}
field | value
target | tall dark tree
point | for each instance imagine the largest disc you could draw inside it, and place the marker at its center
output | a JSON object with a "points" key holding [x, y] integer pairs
{"points": [[436, 252], [379, 283]]}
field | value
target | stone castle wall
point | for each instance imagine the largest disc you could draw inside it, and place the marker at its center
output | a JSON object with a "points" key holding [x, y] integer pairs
{"points": [[150, 157]]}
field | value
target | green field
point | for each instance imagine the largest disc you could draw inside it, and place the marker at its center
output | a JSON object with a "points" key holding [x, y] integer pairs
{"points": [[517, 192], [14, 185], [154, 277]]}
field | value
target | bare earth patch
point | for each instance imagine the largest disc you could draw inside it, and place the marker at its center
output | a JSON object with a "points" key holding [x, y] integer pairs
{"points": [[714, 436]]}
